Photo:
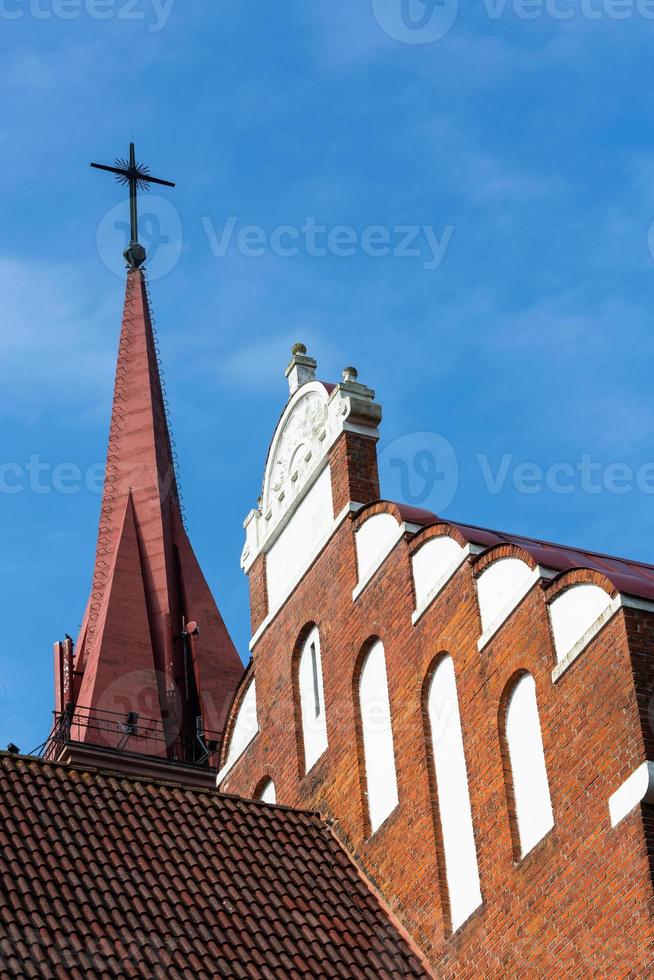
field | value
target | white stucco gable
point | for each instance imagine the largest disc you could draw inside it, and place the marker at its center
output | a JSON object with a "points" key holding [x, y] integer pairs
{"points": [[295, 516]]}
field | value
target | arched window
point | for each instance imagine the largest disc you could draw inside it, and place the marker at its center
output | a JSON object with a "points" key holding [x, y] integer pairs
{"points": [[266, 792], [379, 754], [312, 700], [458, 838], [531, 792]]}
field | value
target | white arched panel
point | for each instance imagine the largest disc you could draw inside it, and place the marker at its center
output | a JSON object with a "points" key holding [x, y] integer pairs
{"points": [[378, 750], [573, 613], [245, 727], [432, 562], [500, 587], [374, 539], [267, 793], [455, 814], [312, 700], [531, 793]]}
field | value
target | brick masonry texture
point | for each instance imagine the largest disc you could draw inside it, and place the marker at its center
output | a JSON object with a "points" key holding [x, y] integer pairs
{"points": [[580, 904], [355, 476], [107, 876]]}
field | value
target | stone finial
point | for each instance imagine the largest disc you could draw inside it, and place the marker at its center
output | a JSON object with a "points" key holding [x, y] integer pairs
{"points": [[350, 374], [301, 369]]}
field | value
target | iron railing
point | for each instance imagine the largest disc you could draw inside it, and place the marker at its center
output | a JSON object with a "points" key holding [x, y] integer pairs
{"points": [[131, 732]]}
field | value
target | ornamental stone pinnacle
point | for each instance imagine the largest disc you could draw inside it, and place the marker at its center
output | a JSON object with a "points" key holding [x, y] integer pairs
{"points": [[301, 368]]}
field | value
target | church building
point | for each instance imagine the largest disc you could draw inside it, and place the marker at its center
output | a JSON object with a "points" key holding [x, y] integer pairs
{"points": [[439, 761], [471, 710]]}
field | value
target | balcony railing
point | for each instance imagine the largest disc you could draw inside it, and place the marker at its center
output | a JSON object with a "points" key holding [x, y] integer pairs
{"points": [[131, 732]]}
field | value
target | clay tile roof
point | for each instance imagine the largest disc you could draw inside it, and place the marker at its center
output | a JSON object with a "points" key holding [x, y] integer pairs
{"points": [[258, 910]]}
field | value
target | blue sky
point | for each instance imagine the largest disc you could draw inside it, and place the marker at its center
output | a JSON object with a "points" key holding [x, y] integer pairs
{"points": [[522, 144]]}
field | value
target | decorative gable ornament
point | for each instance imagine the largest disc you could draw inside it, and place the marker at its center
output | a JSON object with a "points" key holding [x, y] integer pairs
{"points": [[314, 417]]}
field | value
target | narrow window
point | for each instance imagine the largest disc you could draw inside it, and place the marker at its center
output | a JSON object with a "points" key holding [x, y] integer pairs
{"points": [[316, 682], [457, 835], [531, 793], [379, 755], [267, 793], [312, 701]]}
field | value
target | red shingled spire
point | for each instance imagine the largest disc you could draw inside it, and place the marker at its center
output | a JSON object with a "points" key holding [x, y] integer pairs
{"points": [[133, 652]]}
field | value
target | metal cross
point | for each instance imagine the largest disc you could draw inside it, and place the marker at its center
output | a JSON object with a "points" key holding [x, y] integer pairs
{"points": [[137, 175]]}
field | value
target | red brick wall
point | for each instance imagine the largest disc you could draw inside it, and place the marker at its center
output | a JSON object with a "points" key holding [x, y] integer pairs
{"points": [[353, 462], [258, 593], [579, 903]]}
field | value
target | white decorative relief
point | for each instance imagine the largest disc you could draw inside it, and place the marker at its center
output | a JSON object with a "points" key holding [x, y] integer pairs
{"points": [[298, 448], [311, 423]]}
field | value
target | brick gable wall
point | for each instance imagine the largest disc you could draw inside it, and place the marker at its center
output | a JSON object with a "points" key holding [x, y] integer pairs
{"points": [[580, 903]]}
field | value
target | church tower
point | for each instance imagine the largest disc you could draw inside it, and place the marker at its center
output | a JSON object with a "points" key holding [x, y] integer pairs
{"points": [[154, 668]]}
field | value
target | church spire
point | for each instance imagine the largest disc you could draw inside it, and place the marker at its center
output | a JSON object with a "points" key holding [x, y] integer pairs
{"points": [[152, 641]]}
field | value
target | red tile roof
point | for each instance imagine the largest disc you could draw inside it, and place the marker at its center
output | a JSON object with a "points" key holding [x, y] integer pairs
{"points": [[630, 577], [105, 875]]}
